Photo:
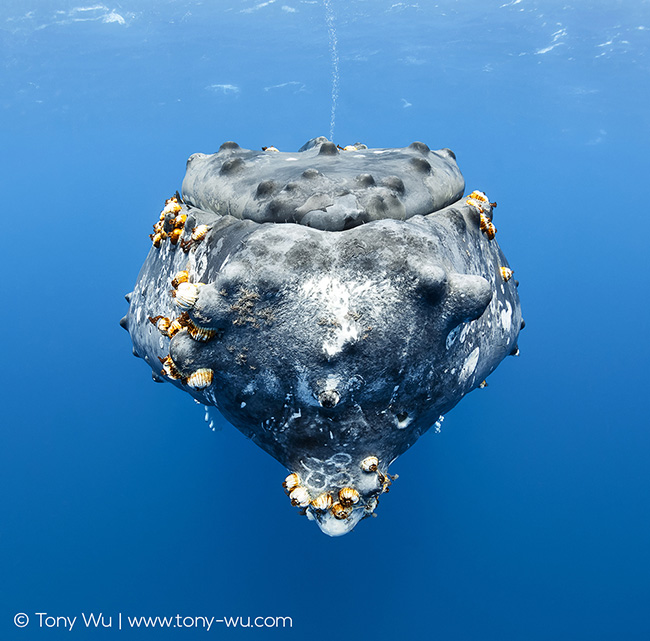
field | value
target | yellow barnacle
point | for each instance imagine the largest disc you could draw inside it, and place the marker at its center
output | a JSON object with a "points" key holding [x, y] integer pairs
{"points": [[201, 378], [474, 203], [506, 273], [163, 325], [348, 496], [349, 148], [369, 464], [299, 496], [322, 502], [479, 195], [291, 482], [487, 227], [179, 221], [271, 148], [180, 277], [171, 207], [169, 368], [200, 333], [175, 327], [340, 512], [175, 235], [158, 237], [198, 233]]}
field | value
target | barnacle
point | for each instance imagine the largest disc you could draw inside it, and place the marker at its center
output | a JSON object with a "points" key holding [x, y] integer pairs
{"points": [[369, 464], [291, 482], [299, 496], [186, 295], [348, 496], [322, 502], [201, 378]]}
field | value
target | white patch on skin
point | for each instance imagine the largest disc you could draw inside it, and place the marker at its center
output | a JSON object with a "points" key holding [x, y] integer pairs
{"points": [[304, 393], [506, 317], [251, 388], [209, 394], [269, 381], [332, 298], [452, 336], [470, 365], [332, 382], [290, 159]]}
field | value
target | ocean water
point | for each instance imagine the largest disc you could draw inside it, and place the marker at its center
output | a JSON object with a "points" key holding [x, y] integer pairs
{"points": [[525, 518]]}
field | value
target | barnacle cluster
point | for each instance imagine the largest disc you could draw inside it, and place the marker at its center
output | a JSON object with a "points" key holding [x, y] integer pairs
{"points": [[479, 201], [344, 503], [170, 223], [185, 295]]}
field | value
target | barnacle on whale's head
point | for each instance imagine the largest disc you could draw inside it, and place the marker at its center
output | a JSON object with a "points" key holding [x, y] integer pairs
{"points": [[335, 337]]}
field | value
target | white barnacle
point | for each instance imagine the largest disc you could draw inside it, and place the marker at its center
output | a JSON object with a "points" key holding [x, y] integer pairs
{"points": [[201, 378], [299, 496], [186, 295], [369, 464], [291, 482]]}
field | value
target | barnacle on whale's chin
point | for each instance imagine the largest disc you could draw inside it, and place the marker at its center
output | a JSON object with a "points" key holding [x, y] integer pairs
{"points": [[339, 336]]}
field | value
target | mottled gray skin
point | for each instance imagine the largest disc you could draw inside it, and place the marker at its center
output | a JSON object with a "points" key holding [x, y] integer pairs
{"points": [[322, 186], [332, 346]]}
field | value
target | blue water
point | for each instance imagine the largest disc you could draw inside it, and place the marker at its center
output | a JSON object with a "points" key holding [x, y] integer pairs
{"points": [[525, 518]]}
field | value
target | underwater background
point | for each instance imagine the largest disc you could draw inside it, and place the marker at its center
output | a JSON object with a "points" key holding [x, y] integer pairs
{"points": [[526, 516]]}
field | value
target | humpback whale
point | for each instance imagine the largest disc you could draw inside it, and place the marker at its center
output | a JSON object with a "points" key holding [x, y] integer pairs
{"points": [[332, 303]]}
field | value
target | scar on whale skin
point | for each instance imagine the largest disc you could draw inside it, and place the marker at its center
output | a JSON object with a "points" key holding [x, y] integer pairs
{"points": [[333, 303]]}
